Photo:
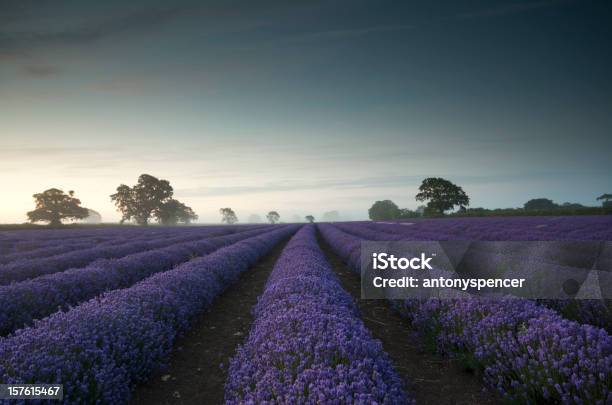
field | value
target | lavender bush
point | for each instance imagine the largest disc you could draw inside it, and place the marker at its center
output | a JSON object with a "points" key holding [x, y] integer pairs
{"points": [[33, 299], [100, 348], [527, 352], [30, 268], [307, 344]]}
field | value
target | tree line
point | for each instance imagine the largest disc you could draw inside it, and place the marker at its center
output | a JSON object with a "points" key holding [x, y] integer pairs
{"points": [[442, 196], [152, 199], [149, 199]]}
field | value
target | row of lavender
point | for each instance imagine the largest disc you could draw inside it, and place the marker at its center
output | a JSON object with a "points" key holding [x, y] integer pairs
{"points": [[502, 228], [25, 301], [528, 353], [308, 344], [28, 268], [44, 246], [594, 312], [26, 240], [101, 348]]}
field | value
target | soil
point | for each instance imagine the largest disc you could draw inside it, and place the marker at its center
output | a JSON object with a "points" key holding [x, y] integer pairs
{"points": [[194, 374], [430, 378]]}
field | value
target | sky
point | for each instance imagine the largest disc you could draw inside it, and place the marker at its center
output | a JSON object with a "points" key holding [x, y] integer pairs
{"points": [[305, 106]]}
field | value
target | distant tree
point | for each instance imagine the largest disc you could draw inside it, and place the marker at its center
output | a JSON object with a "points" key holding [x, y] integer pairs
{"points": [[93, 217], [540, 204], [174, 212], [331, 216], [384, 210], [421, 210], [405, 213], [309, 218], [442, 195], [228, 216], [53, 205], [143, 200], [572, 205], [605, 198], [273, 217], [606, 202], [254, 219]]}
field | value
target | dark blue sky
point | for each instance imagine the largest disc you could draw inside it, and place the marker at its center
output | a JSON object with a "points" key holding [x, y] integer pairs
{"points": [[306, 107]]}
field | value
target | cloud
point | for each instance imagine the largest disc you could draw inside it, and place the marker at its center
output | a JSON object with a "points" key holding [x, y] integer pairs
{"points": [[21, 42], [40, 71]]}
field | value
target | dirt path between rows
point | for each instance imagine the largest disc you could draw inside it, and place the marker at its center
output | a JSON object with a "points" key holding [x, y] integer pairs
{"points": [[194, 375], [430, 378]]}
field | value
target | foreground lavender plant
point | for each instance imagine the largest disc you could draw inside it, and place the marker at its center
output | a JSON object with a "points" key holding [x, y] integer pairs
{"points": [[307, 344], [528, 353], [100, 348]]}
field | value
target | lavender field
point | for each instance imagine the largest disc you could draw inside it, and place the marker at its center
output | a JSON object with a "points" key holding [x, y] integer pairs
{"points": [[110, 313]]}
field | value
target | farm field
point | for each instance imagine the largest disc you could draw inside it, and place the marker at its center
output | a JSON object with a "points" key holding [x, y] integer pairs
{"points": [[272, 314]]}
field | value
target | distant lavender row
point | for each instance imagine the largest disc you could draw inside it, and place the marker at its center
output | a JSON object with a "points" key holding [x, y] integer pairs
{"points": [[307, 344], [101, 348], [119, 235], [58, 248], [527, 352], [30, 268], [32, 239], [33, 299], [594, 312], [506, 228]]}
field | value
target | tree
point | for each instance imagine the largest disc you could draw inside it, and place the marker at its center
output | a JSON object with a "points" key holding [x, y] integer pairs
{"points": [[254, 219], [143, 200], [540, 204], [174, 212], [93, 217], [384, 210], [53, 205], [228, 216], [605, 199], [442, 195], [331, 216], [309, 218], [406, 213], [273, 217], [606, 202]]}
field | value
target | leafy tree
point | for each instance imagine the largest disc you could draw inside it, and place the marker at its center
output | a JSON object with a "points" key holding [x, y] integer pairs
{"points": [[273, 217], [384, 210], [606, 202], [331, 216], [309, 218], [53, 205], [228, 216], [254, 219], [174, 212], [93, 217], [540, 204], [405, 213], [605, 198], [442, 195], [143, 200]]}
